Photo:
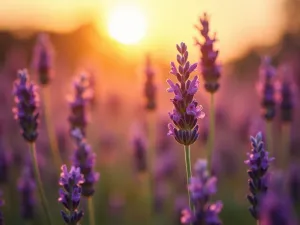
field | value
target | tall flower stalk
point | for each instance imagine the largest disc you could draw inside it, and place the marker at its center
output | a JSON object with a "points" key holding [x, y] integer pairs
{"points": [[211, 73], [258, 162], [84, 158], [70, 194], [268, 103], [26, 114], [151, 104], [186, 110], [43, 63], [202, 186]]}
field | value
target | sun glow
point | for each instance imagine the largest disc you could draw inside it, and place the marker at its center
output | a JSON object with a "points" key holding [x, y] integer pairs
{"points": [[127, 24]]}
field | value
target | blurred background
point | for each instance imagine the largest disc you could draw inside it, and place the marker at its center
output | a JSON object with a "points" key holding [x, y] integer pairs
{"points": [[110, 40]]}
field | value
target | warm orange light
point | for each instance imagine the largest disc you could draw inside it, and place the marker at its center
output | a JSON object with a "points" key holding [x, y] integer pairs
{"points": [[127, 24]]}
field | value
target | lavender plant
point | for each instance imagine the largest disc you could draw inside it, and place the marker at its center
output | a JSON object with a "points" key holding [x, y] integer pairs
{"points": [[186, 109], [211, 73], [78, 104], [258, 162], [139, 155], [268, 103], [26, 186], [202, 186], [70, 194], [150, 88], [84, 158], [26, 114], [43, 63]]}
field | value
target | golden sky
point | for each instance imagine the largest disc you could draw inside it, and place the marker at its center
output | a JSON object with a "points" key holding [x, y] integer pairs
{"points": [[238, 23]]}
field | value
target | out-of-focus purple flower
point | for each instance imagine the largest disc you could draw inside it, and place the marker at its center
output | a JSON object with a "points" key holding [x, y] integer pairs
{"points": [[150, 87], [277, 208], [26, 99], [3, 165], [258, 162], [187, 111], [210, 70], [267, 89], [286, 104], [202, 186], [84, 158], [70, 193], [78, 103], [43, 58], [139, 151], [26, 186]]}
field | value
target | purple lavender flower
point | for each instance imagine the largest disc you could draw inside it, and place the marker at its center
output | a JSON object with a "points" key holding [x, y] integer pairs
{"points": [[286, 104], [27, 187], [70, 194], [258, 162], [202, 187], [84, 158], [209, 68], [186, 111], [268, 103], [150, 88], [78, 104], [25, 111], [140, 158], [43, 58]]}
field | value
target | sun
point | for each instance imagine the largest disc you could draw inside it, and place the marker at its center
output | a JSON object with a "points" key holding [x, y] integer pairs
{"points": [[127, 24]]}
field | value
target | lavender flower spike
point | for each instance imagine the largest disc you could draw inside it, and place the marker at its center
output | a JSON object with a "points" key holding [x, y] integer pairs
{"points": [[140, 158], [26, 99], [150, 88], [70, 193], [268, 103], [78, 103], [258, 162], [186, 109], [27, 187], [202, 187], [84, 158], [286, 104], [210, 70]]}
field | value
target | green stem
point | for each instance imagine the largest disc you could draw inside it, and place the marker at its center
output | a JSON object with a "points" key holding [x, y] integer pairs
{"points": [[39, 182], [91, 211], [269, 140], [187, 151], [50, 129], [211, 136]]}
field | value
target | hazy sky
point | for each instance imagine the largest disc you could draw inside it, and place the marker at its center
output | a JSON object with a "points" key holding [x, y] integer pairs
{"points": [[239, 23]]}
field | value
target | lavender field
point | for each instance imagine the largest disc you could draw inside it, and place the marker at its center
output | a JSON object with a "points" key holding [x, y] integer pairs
{"points": [[124, 125]]}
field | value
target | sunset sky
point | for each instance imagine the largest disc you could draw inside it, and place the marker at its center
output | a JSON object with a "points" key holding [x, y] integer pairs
{"points": [[239, 23]]}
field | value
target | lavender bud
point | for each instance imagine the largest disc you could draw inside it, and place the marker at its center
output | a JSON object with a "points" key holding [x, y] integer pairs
{"points": [[209, 68], [26, 99], [70, 193], [84, 158], [258, 162], [150, 88], [186, 109]]}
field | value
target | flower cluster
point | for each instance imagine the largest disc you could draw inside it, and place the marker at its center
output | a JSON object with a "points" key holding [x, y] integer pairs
{"points": [[26, 106], [78, 104], [150, 88], [186, 109], [202, 187], [43, 57], [27, 187], [268, 103], [210, 70], [84, 158], [70, 194], [258, 162]]}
